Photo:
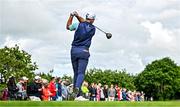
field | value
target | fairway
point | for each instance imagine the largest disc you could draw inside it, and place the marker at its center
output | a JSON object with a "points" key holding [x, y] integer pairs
{"points": [[88, 104]]}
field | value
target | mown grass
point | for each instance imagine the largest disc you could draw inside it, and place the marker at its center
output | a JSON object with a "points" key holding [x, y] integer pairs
{"points": [[88, 104]]}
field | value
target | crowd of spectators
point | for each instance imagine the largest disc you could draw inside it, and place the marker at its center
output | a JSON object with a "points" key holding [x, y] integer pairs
{"points": [[57, 90]]}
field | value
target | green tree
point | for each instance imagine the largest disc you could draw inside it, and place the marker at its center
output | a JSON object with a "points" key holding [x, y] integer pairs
{"points": [[120, 78], [47, 76], [67, 78], [160, 79], [16, 62]]}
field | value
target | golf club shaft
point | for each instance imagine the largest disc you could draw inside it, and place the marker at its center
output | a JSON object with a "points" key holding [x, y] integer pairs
{"points": [[100, 29]]}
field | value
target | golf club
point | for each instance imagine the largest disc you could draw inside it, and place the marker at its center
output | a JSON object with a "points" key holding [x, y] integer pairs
{"points": [[108, 35]]}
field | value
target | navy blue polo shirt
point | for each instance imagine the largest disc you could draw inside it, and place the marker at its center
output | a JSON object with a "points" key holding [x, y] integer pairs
{"points": [[83, 34]]}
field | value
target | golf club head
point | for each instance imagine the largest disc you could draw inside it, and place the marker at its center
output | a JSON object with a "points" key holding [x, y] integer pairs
{"points": [[108, 35]]}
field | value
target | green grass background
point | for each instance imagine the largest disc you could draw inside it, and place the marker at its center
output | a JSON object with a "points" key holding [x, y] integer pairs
{"points": [[88, 104]]}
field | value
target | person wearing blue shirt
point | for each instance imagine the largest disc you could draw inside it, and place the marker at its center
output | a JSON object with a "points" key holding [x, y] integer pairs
{"points": [[84, 31], [59, 89]]}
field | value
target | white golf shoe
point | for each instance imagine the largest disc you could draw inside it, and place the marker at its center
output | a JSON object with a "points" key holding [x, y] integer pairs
{"points": [[81, 98]]}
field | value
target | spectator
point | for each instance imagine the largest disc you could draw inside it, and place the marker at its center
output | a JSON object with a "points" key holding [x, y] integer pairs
{"points": [[137, 96], [34, 90], [25, 79], [124, 94], [52, 88], [111, 93], [116, 93], [5, 94], [141, 96], [132, 96], [46, 94], [59, 90], [119, 93], [21, 89], [102, 95], [65, 91], [128, 96], [12, 88], [85, 89], [70, 88], [106, 92], [92, 91], [98, 92]]}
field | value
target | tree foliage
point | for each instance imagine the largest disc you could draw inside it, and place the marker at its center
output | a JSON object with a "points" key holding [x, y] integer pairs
{"points": [[67, 78], [16, 62], [120, 78], [160, 80]]}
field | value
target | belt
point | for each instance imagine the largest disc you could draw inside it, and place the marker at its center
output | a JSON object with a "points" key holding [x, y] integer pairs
{"points": [[84, 47]]}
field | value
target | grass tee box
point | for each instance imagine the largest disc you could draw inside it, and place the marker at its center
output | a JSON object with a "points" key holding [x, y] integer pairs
{"points": [[88, 104]]}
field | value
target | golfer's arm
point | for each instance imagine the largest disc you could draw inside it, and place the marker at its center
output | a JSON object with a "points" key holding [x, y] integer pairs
{"points": [[80, 19], [69, 22]]}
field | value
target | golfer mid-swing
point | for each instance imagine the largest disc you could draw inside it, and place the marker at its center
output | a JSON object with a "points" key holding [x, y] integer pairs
{"points": [[84, 31]]}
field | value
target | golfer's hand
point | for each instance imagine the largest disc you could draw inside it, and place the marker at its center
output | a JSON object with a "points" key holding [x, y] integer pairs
{"points": [[74, 13]]}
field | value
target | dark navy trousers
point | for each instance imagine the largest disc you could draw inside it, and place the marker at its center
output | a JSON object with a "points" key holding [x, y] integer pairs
{"points": [[79, 58]]}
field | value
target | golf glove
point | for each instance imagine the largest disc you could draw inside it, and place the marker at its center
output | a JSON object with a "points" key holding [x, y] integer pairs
{"points": [[74, 13]]}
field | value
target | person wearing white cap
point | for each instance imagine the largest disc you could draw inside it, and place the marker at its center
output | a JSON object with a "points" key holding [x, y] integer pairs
{"points": [[24, 94], [25, 78], [37, 77], [84, 31], [34, 89]]}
